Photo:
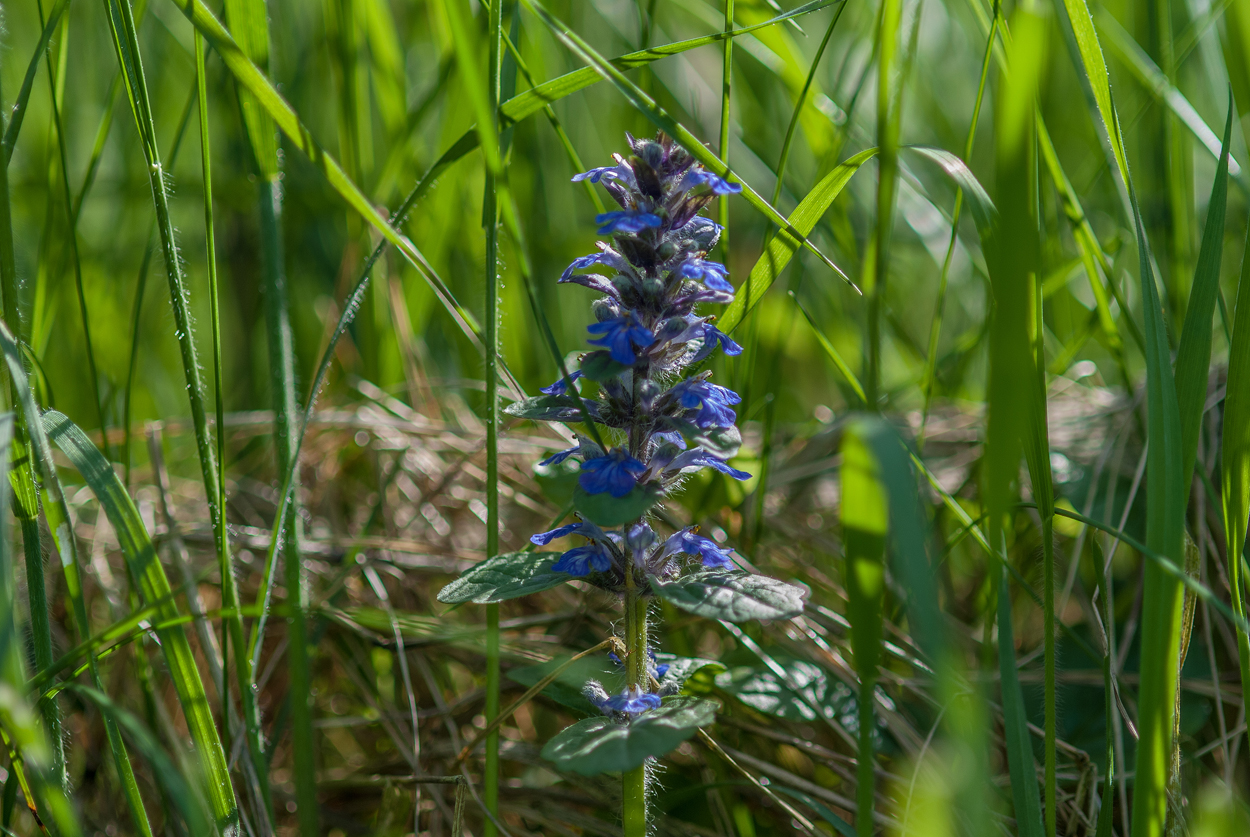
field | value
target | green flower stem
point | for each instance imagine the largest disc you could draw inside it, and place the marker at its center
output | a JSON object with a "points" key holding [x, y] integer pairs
{"points": [[634, 782]]}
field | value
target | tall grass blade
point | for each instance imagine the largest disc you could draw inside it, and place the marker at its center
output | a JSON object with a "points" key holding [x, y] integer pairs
{"points": [[1193, 355], [662, 120], [1235, 460], [865, 522], [780, 249], [23, 95], [1013, 258], [1165, 527], [188, 805], [877, 262], [140, 555], [25, 493]]}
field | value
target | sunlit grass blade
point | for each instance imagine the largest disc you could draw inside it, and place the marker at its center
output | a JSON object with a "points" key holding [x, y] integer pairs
{"points": [[140, 554], [1154, 80], [799, 103], [780, 249], [23, 96], [189, 807], [25, 493], [1193, 356], [939, 307], [484, 98], [1235, 459], [888, 125], [662, 120], [1091, 66], [865, 522]]}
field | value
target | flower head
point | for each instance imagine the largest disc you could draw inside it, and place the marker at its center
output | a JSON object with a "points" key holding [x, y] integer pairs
{"points": [[710, 400], [581, 560], [712, 337], [714, 558], [616, 472], [633, 702], [561, 385], [699, 458], [626, 221], [620, 336]]}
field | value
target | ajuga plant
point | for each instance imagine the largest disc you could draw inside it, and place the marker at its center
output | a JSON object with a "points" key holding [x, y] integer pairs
{"points": [[654, 420]]}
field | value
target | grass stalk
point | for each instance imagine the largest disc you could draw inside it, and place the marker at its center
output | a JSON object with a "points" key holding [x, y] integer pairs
{"points": [[939, 307], [490, 219], [887, 175], [71, 220], [726, 82]]}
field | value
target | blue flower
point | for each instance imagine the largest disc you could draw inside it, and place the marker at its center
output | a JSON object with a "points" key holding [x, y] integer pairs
{"points": [[710, 400], [616, 473], [626, 221], [687, 541], [582, 527], [558, 457], [597, 174], [560, 386], [711, 274], [717, 184], [699, 458], [713, 336], [581, 560], [671, 437], [656, 670], [633, 701], [620, 335]]}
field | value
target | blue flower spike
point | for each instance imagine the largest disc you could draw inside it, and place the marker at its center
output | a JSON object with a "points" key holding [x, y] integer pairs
{"points": [[616, 473], [620, 336], [629, 221]]}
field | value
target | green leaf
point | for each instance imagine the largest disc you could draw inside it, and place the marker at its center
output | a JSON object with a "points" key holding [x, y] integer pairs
{"points": [[532, 101], [601, 745], [1082, 41], [1235, 456], [507, 576], [733, 597], [562, 408], [145, 567], [781, 248], [1193, 356], [599, 366], [692, 674], [983, 211], [608, 511], [188, 805], [805, 691]]}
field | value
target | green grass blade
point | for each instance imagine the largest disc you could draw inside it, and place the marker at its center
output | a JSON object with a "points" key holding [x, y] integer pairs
{"points": [[722, 146], [865, 522], [780, 249], [1193, 355], [141, 555], [189, 807], [23, 96], [25, 493], [1235, 459], [1091, 66], [662, 120], [833, 353], [800, 102], [888, 124], [252, 79], [484, 97], [532, 101], [1153, 79], [1161, 596], [935, 329], [1014, 260]]}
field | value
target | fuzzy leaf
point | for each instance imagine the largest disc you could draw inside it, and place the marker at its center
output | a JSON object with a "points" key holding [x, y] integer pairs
{"points": [[733, 597], [601, 745], [691, 674], [607, 511], [507, 576], [551, 408], [599, 366], [806, 691]]}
